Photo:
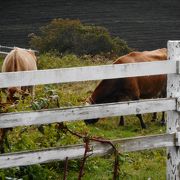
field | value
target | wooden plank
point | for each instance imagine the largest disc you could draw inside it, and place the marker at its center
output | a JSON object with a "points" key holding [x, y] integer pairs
{"points": [[6, 47], [173, 117], [3, 53], [146, 142], [11, 48], [77, 151], [86, 112], [85, 73]]}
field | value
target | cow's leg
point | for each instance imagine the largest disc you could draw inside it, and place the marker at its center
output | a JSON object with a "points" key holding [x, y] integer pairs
{"points": [[135, 95], [31, 91], [121, 121], [163, 121], [1, 147], [141, 121], [26, 91], [154, 117], [10, 94], [6, 142], [3, 139]]}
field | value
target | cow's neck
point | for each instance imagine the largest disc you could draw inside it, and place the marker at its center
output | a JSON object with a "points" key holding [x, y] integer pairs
{"points": [[91, 100]]}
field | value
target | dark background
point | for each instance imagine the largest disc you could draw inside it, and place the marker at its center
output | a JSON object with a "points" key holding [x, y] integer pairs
{"points": [[145, 25]]}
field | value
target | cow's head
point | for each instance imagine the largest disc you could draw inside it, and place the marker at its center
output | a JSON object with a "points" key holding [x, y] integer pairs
{"points": [[90, 101], [107, 91]]}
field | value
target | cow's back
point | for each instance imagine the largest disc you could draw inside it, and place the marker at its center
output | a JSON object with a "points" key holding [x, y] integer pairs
{"points": [[145, 86], [145, 56], [19, 60]]}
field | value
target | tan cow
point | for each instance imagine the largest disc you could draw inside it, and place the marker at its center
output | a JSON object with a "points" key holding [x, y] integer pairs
{"points": [[132, 88], [19, 60]]}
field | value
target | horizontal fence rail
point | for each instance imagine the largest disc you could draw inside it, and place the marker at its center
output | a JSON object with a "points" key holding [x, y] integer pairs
{"points": [[86, 112], [77, 151], [77, 74], [6, 47], [3, 53], [11, 48]]}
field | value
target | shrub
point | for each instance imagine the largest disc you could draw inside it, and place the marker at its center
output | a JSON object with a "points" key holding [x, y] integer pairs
{"points": [[71, 36]]}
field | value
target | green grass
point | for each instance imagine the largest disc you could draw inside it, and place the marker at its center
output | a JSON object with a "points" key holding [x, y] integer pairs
{"points": [[1, 61], [137, 165]]}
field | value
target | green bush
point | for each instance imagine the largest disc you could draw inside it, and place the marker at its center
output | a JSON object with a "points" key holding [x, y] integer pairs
{"points": [[71, 36]]}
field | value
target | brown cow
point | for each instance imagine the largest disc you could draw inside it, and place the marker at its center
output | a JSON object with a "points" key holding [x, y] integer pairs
{"points": [[133, 88], [19, 60]]}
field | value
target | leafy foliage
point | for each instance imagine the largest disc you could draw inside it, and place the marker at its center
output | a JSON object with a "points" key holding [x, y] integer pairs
{"points": [[70, 60], [71, 36]]}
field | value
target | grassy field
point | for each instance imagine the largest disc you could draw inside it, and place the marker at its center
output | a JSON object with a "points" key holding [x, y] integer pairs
{"points": [[150, 164]]}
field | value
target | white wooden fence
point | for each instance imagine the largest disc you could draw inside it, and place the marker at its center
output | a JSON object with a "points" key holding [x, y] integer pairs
{"points": [[171, 104], [4, 50]]}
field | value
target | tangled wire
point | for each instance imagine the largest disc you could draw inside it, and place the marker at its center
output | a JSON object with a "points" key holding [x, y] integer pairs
{"points": [[87, 139]]}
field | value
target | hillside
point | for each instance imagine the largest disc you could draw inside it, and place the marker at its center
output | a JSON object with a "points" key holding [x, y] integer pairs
{"points": [[145, 25]]}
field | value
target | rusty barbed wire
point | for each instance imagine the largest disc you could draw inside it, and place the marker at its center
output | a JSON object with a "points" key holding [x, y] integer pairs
{"points": [[65, 169], [87, 140]]}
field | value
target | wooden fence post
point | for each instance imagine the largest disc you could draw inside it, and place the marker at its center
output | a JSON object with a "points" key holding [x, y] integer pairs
{"points": [[173, 117]]}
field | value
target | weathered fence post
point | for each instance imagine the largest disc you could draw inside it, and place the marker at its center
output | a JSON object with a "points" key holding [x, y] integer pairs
{"points": [[173, 117]]}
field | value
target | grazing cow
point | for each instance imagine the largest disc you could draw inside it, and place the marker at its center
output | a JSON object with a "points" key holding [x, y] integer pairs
{"points": [[132, 88], [19, 60], [2, 133], [3, 138]]}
